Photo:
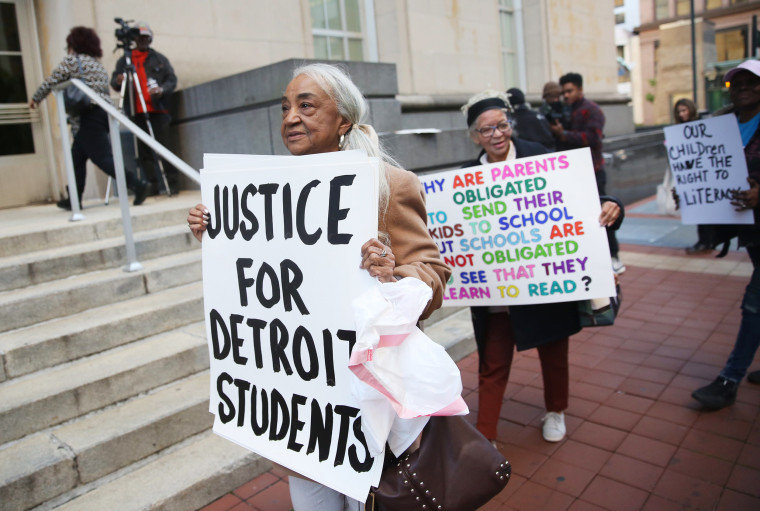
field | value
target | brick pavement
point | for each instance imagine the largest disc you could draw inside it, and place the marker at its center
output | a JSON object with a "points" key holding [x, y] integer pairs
{"points": [[636, 439]]}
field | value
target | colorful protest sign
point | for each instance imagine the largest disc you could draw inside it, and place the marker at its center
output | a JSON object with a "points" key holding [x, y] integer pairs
{"points": [[707, 161], [520, 232], [280, 268]]}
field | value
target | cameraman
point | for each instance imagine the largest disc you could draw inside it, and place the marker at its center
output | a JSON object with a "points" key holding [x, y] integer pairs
{"points": [[529, 125], [157, 82]]}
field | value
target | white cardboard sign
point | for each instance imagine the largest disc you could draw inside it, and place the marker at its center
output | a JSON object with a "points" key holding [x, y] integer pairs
{"points": [[281, 263], [521, 232], [707, 161]]}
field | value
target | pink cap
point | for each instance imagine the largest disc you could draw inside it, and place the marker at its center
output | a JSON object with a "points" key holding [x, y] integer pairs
{"points": [[753, 66]]}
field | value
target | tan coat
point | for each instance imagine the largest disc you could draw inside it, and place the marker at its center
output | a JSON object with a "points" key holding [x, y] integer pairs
{"points": [[405, 221]]}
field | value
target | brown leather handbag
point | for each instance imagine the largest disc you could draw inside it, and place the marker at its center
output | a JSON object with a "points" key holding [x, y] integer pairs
{"points": [[455, 469]]}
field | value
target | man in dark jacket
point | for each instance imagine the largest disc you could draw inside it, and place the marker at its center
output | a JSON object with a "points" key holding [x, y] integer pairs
{"points": [[745, 95], [157, 81], [529, 124], [586, 130]]}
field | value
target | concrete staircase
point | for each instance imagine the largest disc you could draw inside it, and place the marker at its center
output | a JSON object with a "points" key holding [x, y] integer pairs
{"points": [[104, 374]]}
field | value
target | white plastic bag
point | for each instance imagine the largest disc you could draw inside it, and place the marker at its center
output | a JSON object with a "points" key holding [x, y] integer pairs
{"points": [[666, 204], [400, 372]]}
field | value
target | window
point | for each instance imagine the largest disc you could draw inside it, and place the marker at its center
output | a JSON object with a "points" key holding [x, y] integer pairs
{"points": [[619, 18], [15, 137], [619, 3], [683, 7], [508, 41], [336, 26], [731, 44], [713, 4], [661, 9]]}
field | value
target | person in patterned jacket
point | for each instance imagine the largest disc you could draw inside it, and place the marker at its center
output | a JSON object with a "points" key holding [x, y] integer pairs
{"points": [[586, 130], [91, 139]]}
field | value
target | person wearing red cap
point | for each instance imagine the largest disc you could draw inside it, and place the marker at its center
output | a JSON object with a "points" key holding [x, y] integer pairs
{"points": [[157, 82], [744, 90]]}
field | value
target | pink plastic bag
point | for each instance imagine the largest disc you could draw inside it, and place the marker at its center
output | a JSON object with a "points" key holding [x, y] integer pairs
{"points": [[400, 372]]}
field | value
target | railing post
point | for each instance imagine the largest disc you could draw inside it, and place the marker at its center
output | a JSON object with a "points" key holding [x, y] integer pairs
{"points": [[121, 188], [76, 211]]}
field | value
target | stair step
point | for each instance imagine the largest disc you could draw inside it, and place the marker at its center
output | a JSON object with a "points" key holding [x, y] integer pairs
{"points": [[43, 345], [40, 400], [56, 263], [33, 471], [89, 448], [43, 302], [454, 332], [35, 228], [184, 480]]}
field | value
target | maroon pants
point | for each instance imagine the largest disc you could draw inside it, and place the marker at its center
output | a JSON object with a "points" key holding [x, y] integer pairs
{"points": [[495, 366]]}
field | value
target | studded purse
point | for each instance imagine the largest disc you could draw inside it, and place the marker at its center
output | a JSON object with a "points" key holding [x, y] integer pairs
{"points": [[455, 469]]}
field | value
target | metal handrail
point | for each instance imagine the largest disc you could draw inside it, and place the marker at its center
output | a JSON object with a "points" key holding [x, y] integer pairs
{"points": [[114, 119]]}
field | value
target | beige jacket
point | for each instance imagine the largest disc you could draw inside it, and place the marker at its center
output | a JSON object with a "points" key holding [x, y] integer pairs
{"points": [[405, 221]]}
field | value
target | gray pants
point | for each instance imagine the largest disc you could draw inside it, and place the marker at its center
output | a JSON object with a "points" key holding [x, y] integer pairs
{"points": [[310, 496]]}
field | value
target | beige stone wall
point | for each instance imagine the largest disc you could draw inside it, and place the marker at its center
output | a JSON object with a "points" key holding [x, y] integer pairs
{"points": [[204, 40], [441, 47], [453, 47], [581, 38]]}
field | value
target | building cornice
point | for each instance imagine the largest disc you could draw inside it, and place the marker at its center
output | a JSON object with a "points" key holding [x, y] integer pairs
{"points": [[707, 15]]}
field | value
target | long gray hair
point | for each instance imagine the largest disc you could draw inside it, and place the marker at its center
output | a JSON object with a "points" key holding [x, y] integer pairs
{"points": [[352, 106]]}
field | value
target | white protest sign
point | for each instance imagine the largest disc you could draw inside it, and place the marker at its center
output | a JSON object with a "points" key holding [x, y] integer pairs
{"points": [[281, 263], [521, 232], [707, 161]]}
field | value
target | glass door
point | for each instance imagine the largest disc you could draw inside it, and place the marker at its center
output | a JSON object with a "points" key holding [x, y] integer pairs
{"points": [[23, 169]]}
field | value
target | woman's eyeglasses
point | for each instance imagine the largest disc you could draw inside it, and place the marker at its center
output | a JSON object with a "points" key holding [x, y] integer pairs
{"points": [[489, 131]]}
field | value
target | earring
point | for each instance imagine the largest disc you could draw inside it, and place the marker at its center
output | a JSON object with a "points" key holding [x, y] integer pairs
{"points": [[341, 142]]}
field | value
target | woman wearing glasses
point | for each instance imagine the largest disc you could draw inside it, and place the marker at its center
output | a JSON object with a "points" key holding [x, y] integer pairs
{"points": [[499, 329]]}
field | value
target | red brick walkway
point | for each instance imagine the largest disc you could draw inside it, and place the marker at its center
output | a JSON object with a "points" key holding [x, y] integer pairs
{"points": [[636, 439]]}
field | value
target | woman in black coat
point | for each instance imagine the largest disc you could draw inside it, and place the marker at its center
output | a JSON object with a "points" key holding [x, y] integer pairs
{"points": [[91, 138], [547, 327]]}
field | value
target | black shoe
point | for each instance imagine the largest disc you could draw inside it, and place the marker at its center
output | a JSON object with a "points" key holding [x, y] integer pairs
{"points": [[754, 377], [141, 192], [717, 395], [698, 248], [153, 190], [64, 204]]}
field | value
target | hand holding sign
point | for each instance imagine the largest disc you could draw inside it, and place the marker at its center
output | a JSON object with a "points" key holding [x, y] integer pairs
{"points": [[746, 199], [197, 220], [378, 260]]}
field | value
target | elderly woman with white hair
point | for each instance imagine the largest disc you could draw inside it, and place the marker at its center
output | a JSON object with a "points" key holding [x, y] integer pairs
{"points": [[501, 329], [323, 111]]}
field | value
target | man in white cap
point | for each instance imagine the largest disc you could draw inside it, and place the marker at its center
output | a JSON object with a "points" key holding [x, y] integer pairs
{"points": [[744, 88], [157, 82]]}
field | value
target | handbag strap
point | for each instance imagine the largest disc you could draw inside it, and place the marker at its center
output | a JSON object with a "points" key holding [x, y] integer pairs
{"points": [[79, 65]]}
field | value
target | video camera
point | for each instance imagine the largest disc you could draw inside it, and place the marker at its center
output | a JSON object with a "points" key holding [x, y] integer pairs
{"points": [[556, 111], [125, 33]]}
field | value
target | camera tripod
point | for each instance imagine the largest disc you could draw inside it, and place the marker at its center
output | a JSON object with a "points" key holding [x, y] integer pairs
{"points": [[129, 84]]}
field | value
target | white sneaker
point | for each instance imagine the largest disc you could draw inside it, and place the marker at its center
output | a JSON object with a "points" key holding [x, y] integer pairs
{"points": [[554, 426], [617, 266]]}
